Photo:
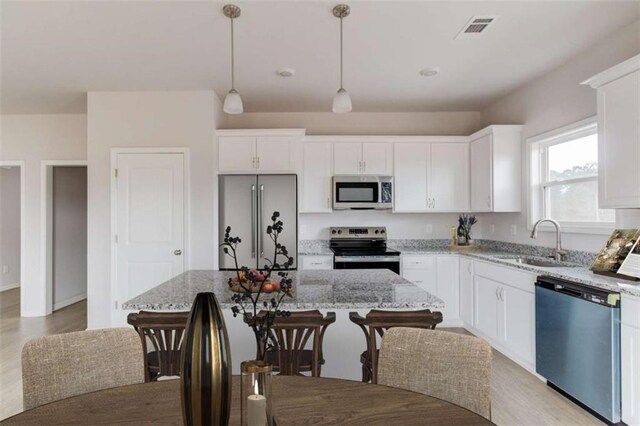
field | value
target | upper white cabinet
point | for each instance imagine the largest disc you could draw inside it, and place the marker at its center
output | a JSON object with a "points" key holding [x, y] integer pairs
{"points": [[618, 134], [361, 158], [495, 165], [316, 177], [431, 176], [259, 151]]}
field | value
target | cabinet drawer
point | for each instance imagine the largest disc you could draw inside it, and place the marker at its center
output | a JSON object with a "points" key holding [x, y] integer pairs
{"points": [[418, 262], [505, 275], [630, 310], [317, 262]]}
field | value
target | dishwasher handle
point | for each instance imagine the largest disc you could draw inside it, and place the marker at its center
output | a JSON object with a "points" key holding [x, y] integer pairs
{"points": [[568, 291]]}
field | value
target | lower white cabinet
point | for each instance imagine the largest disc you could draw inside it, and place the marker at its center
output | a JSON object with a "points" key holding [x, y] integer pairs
{"points": [[438, 275], [630, 362], [504, 309], [310, 262]]}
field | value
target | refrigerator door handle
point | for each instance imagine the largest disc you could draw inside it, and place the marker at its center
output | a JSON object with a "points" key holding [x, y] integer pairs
{"points": [[253, 221], [260, 230]]}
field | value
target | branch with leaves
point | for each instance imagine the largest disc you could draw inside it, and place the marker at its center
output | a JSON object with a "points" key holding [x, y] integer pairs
{"points": [[254, 285]]}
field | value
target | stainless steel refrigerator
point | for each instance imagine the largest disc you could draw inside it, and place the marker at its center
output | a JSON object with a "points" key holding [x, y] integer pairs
{"points": [[246, 203]]}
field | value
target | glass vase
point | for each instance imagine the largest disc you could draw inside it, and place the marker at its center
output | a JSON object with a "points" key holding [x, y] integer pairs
{"points": [[255, 394]]}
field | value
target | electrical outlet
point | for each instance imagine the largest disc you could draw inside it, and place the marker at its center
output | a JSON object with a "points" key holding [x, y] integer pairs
{"points": [[5, 269], [492, 228], [428, 229], [514, 229]]}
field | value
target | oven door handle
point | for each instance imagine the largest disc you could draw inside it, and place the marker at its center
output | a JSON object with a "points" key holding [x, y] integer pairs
{"points": [[368, 259]]}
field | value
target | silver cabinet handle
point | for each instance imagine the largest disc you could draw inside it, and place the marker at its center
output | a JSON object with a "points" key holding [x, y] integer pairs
{"points": [[489, 201], [261, 238], [502, 294], [364, 166], [253, 221], [177, 252], [360, 166], [433, 203], [258, 162], [469, 268], [254, 162], [497, 292], [328, 202]]}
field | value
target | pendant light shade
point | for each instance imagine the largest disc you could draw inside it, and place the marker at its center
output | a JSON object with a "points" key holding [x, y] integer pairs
{"points": [[233, 101], [341, 100]]}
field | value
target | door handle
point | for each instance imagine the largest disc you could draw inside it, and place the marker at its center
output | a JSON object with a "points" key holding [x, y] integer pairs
{"points": [[253, 221], [177, 252], [261, 236]]}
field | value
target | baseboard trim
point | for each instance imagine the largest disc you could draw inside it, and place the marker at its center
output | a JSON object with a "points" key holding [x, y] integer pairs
{"points": [[9, 287], [69, 301]]}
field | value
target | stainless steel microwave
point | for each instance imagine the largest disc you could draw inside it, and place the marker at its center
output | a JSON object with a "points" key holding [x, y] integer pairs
{"points": [[362, 192]]}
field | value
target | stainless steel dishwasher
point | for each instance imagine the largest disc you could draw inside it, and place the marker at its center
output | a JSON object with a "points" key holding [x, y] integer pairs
{"points": [[578, 343]]}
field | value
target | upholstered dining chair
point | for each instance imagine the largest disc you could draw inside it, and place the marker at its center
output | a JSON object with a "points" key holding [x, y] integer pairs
{"points": [[64, 365], [291, 356], [376, 322], [450, 366], [165, 331]]}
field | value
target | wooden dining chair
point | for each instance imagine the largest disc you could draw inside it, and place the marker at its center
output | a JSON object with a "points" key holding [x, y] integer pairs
{"points": [[165, 331], [64, 365], [291, 335], [450, 366], [376, 322]]}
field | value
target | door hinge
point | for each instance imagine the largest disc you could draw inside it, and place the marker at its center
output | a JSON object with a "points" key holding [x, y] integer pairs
{"points": [[116, 173]]}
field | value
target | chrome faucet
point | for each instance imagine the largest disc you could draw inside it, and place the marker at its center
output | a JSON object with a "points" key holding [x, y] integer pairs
{"points": [[558, 252]]}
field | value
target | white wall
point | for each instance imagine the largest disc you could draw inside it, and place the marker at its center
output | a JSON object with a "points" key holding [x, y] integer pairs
{"points": [[9, 227], [362, 123], [69, 235], [147, 119], [33, 138], [550, 102]]}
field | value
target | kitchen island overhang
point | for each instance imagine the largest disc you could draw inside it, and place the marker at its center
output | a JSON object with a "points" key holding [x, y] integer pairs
{"points": [[339, 291]]}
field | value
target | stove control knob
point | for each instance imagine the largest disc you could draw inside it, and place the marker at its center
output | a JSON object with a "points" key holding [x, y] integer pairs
{"points": [[333, 231], [382, 232], [377, 231], [339, 231]]}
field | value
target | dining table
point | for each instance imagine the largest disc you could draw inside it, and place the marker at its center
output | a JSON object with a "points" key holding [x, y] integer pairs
{"points": [[297, 400]]}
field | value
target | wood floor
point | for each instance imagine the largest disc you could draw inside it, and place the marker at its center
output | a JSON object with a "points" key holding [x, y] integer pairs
{"points": [[518, 397]]}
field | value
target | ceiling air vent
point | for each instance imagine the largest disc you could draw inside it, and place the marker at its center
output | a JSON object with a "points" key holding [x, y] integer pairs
{"points": [[476, 27]]}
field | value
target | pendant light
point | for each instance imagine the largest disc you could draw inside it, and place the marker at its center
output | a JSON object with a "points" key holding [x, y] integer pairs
{"points": [[232, 102], [341, 100]]}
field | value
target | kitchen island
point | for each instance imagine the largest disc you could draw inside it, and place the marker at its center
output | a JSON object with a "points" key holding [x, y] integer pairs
{"points": [[339, 291]]}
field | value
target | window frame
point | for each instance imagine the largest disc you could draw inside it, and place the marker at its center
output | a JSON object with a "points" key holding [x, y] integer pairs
{"points": [[537, 162]]}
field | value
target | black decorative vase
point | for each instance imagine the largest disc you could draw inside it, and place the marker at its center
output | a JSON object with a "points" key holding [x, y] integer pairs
{"points": [[205, 379]]}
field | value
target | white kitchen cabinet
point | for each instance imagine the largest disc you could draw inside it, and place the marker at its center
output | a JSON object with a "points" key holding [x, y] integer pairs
{"points": [[316, 177], [618, 94], [630, 362], [504, 310], [259, 151], [316, 262], [437, 275], [361, 158], [495, 164], [431, 177], [466, 291]]}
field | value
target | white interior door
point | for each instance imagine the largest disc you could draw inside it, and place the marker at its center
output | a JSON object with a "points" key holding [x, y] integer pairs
{"points": [[150, 217]]}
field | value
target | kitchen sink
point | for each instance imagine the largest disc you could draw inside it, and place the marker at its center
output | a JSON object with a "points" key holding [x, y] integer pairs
{"points": [[539, 262]]}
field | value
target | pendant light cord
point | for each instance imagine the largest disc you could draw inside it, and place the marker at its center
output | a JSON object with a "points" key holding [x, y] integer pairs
{"points": [[341, 56], [233, 85]]}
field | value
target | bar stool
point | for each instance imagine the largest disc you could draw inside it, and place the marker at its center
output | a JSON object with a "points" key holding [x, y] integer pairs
{"points": [[376, 322]]}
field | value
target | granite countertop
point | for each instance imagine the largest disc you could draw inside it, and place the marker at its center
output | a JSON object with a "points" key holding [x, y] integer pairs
{"points": [[331, 289]]}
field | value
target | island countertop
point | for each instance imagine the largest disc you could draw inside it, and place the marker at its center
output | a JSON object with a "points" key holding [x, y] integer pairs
{"points": [[327, 289]]}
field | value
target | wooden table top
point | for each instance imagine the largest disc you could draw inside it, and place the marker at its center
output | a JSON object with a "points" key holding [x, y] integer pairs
{"points": [[297, 400]]}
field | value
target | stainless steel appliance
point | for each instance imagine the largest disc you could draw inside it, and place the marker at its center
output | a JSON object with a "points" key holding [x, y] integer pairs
{"points": [[362, 192], [578, 343], [246, 203], [363, 248]]}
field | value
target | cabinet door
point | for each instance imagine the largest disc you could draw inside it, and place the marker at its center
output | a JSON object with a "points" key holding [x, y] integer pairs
{"points": [[485, 306], [619, 142], [630, 374], [481, 174], [519, 322], [374, 159], [236, 154], [466, 290], [347, 158], [424, 275], [449, 177], [317, 163], [410, 177], [447, 283], [274, 154]]}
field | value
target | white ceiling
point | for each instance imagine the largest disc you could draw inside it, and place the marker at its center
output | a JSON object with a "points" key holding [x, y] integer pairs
{"points": [[53, 52]]}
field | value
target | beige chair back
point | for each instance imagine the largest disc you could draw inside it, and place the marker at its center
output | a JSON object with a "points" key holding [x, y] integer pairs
{"points": [[64, 365], [449, 366]]}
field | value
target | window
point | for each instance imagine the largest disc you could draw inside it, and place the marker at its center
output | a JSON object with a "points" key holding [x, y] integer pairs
{"points": [[564, 176]]}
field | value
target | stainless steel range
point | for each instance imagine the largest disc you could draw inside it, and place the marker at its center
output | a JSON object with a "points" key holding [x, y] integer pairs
{"points": [[363, 248]]}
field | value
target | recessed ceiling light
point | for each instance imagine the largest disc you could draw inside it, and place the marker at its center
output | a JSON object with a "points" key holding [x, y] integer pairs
{"points": [[430, 72], [286, 72]]}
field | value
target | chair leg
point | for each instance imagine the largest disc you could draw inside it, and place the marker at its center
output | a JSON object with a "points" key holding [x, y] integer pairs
{"points": [[365, 374]]}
